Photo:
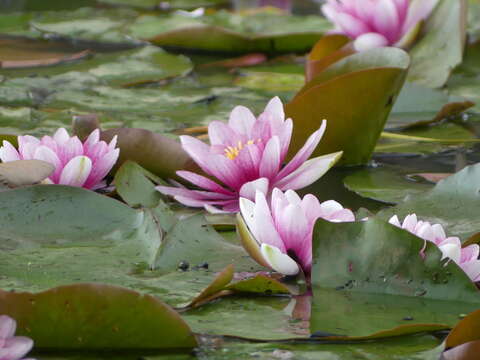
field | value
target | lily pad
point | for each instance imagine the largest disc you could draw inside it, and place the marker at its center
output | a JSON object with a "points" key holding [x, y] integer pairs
{"points": [[445, 31], [385, 184], [419, 106], [262, 31], [355, 95], [453, 202], [165, 5], [363, 264], [95, 317]]}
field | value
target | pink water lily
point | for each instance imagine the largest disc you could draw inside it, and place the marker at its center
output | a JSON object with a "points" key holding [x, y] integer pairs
{"points": [[247, 155], [282, 227], [76, 164], [451, 247], [12, 347], [376, 23]]}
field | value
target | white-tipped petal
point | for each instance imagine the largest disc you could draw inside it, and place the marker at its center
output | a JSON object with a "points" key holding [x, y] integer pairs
{"points": [[76, 172], [279, 261]]}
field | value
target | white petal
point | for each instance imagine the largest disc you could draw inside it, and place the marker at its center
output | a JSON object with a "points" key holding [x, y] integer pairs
{"points": [[279, 261], [76, 172]]}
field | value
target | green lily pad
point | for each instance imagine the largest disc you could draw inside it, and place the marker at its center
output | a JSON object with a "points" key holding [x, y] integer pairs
{"points": [[355, 96], [419, 106], [374, 270], [385, 184], [262, 31], [95, 317], [452, 203], [172, 4], [445, 31]]}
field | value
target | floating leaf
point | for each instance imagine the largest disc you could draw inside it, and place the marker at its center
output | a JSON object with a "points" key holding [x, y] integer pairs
{"points": [[420, 106], [384, 184], [263, 31], [445, 32], [24, 172], [355, 95], [363, 267], [453, 202], [165, 5], [96, 317]]}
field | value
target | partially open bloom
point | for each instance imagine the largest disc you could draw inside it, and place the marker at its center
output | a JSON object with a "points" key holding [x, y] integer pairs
{"points": [[247, 155], [451, 247], [376, 23], [12, 347], [282, 228], [76, 164]]}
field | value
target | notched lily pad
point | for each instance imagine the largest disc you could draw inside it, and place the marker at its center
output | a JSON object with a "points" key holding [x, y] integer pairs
{"points": [[96, 317]]}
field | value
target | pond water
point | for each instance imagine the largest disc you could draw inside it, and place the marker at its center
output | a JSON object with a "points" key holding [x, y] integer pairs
{"points": [[64, 59]]}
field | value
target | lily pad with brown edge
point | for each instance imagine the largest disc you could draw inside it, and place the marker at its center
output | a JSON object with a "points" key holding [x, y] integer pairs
{"points": [[355, 95], [374, 270], [453, 203], [265, 31], [154, 152], [420, 106], [467, 330], [329, 49], [444, 33], [96, 317], [215, 289]]}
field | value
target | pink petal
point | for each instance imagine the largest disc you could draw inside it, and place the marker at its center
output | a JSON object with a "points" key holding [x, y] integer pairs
{"points": [[61, 136], [69, 149], [92, 139], [76, 172], [395, 221], [270, 163], [46, 154], [470, 253], [241, 120], [386, 20], [304, 153], [203, 182], [8, 152], [370, 41], [275, 108], [101, 167], [264, 229], [7, 327], [472, 269], [309, 172], [15, 348], [248, 161], [352, 26], [249, 189], [220, 133], [285, 136]]}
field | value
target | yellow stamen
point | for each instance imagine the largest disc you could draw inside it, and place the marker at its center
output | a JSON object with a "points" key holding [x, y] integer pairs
{"points": [[232, 152]]}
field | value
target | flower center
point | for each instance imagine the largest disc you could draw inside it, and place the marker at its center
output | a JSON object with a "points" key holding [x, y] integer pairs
{"points": [[232, 152]]}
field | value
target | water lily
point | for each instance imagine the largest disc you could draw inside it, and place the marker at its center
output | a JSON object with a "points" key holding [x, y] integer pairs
{"points": [[76, 164], [247, 155], [376, 23], [280, 231], [451, 247], [12, 347]]}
